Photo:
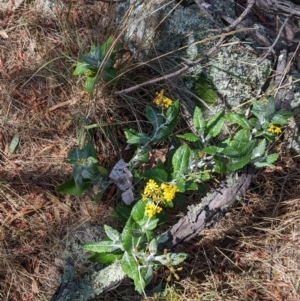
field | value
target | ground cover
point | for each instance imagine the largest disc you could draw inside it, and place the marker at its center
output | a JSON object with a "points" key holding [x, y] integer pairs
{"points": [[254, 252]]}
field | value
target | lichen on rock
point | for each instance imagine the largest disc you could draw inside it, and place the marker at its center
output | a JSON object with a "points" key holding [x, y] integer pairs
{"points": [[186, 34]]}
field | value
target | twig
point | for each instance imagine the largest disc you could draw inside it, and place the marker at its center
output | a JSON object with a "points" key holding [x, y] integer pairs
{"points": [[186, 67], [110, 1], [271, 48], [203, 9], [241, 17]]}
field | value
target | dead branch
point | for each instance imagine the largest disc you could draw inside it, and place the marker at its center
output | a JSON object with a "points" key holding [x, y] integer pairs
{"points": [[187, 66], [279, 7], [241, 17], [271, 48]]}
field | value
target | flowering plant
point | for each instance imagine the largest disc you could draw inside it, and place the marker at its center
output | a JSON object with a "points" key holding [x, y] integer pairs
{"points": [[192, 159], [137, 245]]}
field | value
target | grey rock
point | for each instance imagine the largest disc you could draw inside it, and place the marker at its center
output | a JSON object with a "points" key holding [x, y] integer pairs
{"points": [[233, 70]]}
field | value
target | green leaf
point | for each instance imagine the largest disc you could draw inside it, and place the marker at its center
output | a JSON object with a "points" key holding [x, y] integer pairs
{"points": [[131, 268], [180, 160], [220, 166], [281, 117], [149, 234], [129, 265], [171, 258], [254, 122], [154, 117], [239, 148], [215, 124], [109, 75], [13, 144], [263, 164], [86, 174], [203, 89], [137, 233], [168, 204], [242, 135], [165, 131], [129, 242], [239, 119], [212, 150], [134, 137], [147, 273], [105, 258], [259, 150], [90, 83], [272, 158], [172, 111], [141, 155], [198, 119], [112, 234], [270, 107], [139, 283], [82, 68], [104, 246], [267, 161], [189, 137], [95, 53], [153, 246], [162, 238], [157, 174], [191, 186], [105, 47], [69, 187], [148, 223], [75, 154], [238, 163], [180, 201], [138, 210], [92, 62], [121, 212], [180, 182], [178, 258], [259, 110]]}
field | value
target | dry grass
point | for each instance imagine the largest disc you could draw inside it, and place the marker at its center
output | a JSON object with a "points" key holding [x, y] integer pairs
{"points": [[253, 254]]}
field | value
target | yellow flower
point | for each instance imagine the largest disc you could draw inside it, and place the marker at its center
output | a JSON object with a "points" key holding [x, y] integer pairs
{"points": [[161, 100], [169, 191], [151, 209], [274, 129], [163, 193], [150, 190]]}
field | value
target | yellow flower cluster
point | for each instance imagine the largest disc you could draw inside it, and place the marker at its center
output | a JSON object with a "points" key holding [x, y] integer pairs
{"points": [[150, 190], [163, 193], [169, 191], [151, 209], [155, 194], [274, 129], [162, 101]]}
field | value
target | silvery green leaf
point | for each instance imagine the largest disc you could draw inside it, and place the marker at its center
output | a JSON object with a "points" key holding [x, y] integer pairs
{"points": [[259, 150], [162, 238], [112, 234], [153, 246], [198, 119], [154, 117], [103, 246], [13, 144]]}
